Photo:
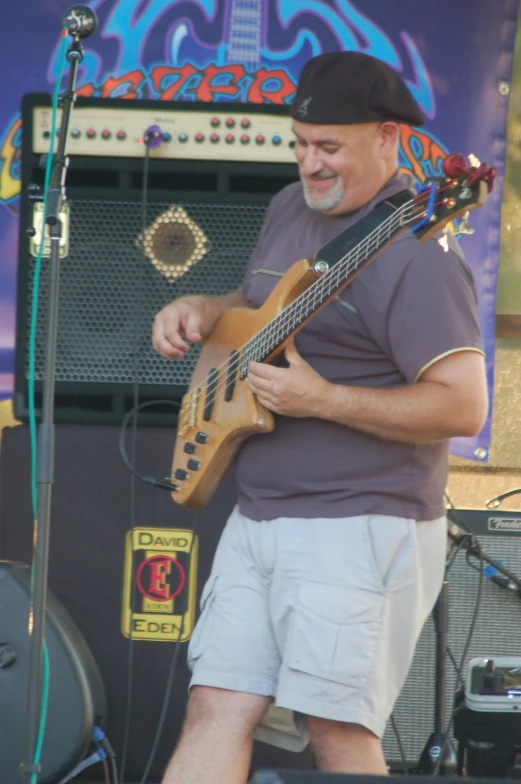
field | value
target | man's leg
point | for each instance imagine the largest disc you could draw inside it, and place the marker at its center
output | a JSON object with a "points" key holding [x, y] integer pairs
{"points": [[216, 741], [346, 748]]}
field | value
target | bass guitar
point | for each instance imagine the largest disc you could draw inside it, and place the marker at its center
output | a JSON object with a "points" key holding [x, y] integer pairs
{"points": [[219, 412]]}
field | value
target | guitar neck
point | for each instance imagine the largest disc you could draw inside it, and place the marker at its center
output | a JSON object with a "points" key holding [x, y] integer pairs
{"points": [[337, 263]]}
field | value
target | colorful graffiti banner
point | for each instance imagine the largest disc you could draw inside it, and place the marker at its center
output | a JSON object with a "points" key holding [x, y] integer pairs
{"points": [[455, 57]]}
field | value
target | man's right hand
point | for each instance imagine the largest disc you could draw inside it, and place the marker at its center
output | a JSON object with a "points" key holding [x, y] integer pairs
{"points": [[189, 320], [180, 323]]}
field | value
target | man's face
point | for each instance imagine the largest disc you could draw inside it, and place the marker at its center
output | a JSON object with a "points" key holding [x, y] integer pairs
{"points": [[342, 166]]}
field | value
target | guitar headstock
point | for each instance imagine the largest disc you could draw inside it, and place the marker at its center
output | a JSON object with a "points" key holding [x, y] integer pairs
{"points": [[442, 200]]}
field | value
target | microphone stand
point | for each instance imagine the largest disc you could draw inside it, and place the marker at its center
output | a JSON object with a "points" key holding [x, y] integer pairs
{"points": [[438, 743], [46, 436]]}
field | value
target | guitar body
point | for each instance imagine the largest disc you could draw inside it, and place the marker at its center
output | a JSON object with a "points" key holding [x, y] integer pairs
{"points": [[232, 420]]}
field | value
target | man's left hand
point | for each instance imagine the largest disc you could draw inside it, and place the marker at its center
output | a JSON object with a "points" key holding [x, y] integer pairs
{"points": [[295, 391]]}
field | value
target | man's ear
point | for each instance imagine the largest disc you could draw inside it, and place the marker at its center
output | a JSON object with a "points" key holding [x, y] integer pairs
{"points": [[389, 135]]}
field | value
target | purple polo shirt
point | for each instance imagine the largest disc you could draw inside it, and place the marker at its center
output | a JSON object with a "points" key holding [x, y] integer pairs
{"points": [[413, 304]]}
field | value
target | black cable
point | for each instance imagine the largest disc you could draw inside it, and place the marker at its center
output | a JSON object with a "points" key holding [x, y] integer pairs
{"points": [[453, 661], [103, 760], [400, 746], [107, 747], [134, 415], [173, 664], [163, 484]]}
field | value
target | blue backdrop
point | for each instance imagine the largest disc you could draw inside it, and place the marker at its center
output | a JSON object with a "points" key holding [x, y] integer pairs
{"points": [[455, 57]]}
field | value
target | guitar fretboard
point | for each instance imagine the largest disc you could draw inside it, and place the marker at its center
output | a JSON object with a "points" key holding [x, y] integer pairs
{"points": [[292, 317]]}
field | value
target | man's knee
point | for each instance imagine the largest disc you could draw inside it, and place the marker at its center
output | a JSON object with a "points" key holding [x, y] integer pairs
{"points": [[326, 733], [209, 705], [346, 748]]}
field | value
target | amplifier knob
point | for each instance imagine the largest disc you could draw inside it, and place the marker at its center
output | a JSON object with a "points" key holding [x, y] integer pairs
{"points": [[260, 139], [229, 138], [121, 135], [276, 140], [215, 122], [167, 137], [245, 123], [91, 133], [75, 133], [106, 134], [183, 137], [214, 138], [245, 139], [230, 122], [199, 137]]}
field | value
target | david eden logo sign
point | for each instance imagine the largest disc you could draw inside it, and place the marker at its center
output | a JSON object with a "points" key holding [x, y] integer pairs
{"points": [[160, 584]]}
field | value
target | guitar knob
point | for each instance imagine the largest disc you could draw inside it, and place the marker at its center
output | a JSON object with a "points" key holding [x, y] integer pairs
{"points": [[181, 473], [201, 438], [190, 448], [193, 465]]}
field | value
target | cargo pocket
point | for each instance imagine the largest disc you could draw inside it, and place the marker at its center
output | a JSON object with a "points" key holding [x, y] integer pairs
{"points": [[202, 627], [335, 633]]}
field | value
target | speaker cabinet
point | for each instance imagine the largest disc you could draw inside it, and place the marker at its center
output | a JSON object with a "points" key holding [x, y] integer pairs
{"points": [[76, 701], [138, 232], [92, 510]]}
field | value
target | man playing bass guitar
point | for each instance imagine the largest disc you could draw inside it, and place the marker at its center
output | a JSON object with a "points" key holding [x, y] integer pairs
{"points": [[334, 556]]}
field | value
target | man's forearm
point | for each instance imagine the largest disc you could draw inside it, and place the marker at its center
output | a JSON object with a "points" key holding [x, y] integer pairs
{"points": [[224, 302], [419, 413]]}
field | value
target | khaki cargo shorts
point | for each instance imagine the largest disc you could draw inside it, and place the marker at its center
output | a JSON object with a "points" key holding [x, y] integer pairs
{"points": [[323, 615]]}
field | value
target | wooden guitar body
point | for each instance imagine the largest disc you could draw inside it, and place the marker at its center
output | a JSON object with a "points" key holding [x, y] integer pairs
{"points": [[206, 445]]}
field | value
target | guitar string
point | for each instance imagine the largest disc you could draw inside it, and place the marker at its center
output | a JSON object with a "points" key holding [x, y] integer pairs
{"points": [[344, 265], [283, 324]]}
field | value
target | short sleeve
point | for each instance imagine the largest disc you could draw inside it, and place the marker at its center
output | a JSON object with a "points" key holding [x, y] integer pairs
{"points": [[433, 310]]}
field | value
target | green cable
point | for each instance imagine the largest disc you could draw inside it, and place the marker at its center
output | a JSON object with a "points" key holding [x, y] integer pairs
{"points": [[32, 413]]}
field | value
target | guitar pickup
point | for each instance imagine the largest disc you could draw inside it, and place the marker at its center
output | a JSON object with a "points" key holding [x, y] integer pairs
{"points": [[231, 378], [210, 394]]}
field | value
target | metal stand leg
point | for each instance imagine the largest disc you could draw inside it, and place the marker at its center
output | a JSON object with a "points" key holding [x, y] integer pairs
{"points": [[431, 752]]}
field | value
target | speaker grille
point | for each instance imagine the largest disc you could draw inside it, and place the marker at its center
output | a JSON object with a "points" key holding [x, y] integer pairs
{"points": [[121, 270], [497, 633]]}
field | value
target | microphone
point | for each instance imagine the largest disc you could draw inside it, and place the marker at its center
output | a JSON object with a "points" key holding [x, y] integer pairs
{"points": [[80, 21], [505, 582]]}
